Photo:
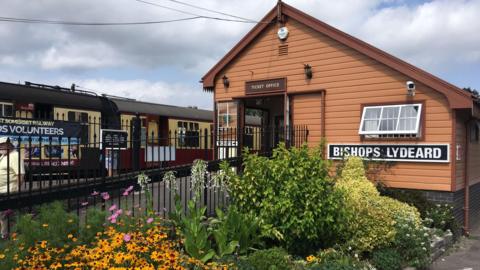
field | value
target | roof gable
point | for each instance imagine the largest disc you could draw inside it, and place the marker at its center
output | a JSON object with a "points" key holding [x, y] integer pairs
{"points": [[457, 98]]}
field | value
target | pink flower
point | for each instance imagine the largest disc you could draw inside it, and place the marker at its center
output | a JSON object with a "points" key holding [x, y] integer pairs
{"points": [[113, 220], [113, 207], [105, 196], [128, 213], [95, 193], [149, 220], [125, 193], [127, 237], [118, 212], [84, 203], [130, 188]]}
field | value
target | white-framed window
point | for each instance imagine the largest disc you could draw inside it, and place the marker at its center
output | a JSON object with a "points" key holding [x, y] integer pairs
{"points": [[6, 109], [401, 119]]}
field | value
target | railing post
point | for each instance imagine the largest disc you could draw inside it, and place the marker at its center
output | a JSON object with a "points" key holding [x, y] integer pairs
{"points": [[136, 142]]}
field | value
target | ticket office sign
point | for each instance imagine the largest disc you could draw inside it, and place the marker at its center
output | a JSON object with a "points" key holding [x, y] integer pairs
{"points": [[439, 153]]}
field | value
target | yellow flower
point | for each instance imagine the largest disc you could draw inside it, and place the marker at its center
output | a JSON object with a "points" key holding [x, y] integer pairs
{"points": [[2, 256], [310, 258], [70, 236], [45, 225]]}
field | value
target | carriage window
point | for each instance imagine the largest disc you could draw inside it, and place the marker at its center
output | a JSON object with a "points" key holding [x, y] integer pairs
{"points": [[188, 134], [474, 132], [402, 120], [81, 117], [6, 109]]}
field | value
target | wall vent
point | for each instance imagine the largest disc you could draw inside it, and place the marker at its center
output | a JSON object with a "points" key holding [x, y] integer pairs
{"points": [[282, 50]]}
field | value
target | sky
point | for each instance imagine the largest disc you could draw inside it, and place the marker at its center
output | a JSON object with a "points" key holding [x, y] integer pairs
{"points": [[164, 63]]}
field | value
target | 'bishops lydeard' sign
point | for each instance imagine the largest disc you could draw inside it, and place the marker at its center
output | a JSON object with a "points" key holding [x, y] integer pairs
{"points": [[392, 152]]}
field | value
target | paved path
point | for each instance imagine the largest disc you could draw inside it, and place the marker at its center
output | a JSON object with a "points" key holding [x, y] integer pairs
{"points": [[465, 256]]}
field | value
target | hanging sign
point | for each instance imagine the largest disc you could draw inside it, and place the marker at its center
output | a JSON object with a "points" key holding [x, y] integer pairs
{"points": [[392, 152], [265, 86], [113, 139]]}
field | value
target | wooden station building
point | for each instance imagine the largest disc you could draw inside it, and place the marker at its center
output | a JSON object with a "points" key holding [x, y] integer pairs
{"points": [[362, 100]]}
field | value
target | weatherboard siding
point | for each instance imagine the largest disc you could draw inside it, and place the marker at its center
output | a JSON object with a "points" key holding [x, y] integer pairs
{"points": [[350, 80]]}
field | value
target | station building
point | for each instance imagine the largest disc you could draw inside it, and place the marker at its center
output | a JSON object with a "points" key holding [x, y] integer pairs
{"points": [[361, 100]]}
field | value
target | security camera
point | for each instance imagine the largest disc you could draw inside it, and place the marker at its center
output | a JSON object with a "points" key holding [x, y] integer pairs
{"points": [[410, 88], [410, 85]]}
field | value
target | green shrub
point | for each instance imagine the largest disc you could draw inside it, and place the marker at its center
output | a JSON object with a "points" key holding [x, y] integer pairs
{"points": [[292, 195], [334, 259], [371, 218], [440, 216], [387, 259], [369, 223], [268, 259], [412, 241]]}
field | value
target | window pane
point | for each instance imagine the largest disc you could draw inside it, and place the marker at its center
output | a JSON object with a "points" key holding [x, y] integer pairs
{"points": [[370, 125], [7, 110], [372, 113], [389, 119]]}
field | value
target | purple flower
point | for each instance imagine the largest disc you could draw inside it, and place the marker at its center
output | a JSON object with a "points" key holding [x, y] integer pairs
{"points": [[105, 196], [127, 237], [149, 220], [113, 207], [95, 193], [84, 203]]}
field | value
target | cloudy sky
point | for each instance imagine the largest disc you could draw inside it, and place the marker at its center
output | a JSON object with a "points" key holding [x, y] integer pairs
{"points": [[164, 62]]}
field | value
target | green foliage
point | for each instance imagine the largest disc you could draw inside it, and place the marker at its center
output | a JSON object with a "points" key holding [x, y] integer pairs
{"points": [[412, 241], [440, 216], [52, 224], [369, 223], [292, 195], [412, 197], [95, 220], [333, 259], [234, 226], [194, 231], [268, 259], [387, 259], [371, 218]]}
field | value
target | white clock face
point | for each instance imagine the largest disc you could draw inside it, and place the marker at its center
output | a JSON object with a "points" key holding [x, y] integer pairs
{"points": [[282, 33]]}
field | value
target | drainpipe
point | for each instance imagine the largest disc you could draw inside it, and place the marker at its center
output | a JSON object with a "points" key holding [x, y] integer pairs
{"points": [[466, 207]]}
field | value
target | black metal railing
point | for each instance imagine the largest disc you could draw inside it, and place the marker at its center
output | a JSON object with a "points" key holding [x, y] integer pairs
{"points": [[43, 168]]}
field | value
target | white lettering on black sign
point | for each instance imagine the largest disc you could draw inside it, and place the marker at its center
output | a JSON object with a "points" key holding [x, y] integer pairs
{"points": [[392, 152]]}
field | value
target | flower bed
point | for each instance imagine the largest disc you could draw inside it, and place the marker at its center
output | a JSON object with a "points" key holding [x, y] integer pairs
{"points": [[287, 212]]}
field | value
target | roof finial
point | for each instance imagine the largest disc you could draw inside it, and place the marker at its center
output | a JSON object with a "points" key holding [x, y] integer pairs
{"points": [[279, 12]]}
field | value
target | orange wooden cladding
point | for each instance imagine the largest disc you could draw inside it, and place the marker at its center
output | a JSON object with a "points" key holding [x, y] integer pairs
{"points": [[349, 79]]}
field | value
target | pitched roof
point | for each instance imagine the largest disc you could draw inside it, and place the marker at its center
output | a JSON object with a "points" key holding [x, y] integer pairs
{"points": [[457, 97], [141, 107]]}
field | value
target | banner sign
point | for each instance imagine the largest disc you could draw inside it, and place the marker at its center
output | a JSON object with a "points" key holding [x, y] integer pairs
{"points": [[36, 130], [392, 152], [265, 86], [113, 139]]}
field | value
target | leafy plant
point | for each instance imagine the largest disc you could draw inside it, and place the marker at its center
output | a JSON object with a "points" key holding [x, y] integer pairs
{"points": [[234, 226], [52, 224], [292, 195], [95, 220], [387, 259], [336, 259], [440, 216], [269, 259], [194, 231], [412, 241]]}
